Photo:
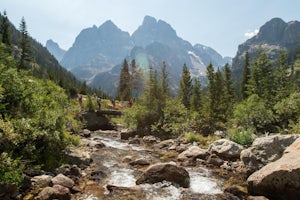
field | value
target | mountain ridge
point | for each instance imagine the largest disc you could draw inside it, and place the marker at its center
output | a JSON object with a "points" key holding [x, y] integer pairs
{"points": [[273, 37], [99, 50]]}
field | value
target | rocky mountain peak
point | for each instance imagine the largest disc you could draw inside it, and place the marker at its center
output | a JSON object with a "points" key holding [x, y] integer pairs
{"points": [[149, 21], [152, 30], [55, 50], [109, 26]]}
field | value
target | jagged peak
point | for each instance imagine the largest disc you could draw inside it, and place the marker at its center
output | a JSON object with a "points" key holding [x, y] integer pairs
{"points": [[108, 24], [148, 20]]}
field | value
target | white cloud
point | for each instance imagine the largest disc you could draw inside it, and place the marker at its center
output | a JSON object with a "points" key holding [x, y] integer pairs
{"points": [[250, 34]]}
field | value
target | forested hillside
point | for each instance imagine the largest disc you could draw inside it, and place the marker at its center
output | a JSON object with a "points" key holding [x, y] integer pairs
{"points": [[38, 116]]}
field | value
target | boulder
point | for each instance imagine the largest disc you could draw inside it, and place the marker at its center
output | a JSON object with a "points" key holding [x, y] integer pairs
{"points": [[164, 144], [165, 171], [226, 149], [56, 192], [214, 160], [265, 150], [149, 139], [134, 140], [41, 181], [279, 179], [77, 156], [127, 133], [63, 180], [95, 122], [75, 171], [141, 161], [86, 133], [192, 153]]}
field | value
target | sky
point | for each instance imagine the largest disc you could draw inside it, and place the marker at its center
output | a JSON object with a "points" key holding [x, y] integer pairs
{"points": [[220, 24]]}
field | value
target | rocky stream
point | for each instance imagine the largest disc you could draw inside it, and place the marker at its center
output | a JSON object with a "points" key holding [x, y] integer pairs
{"points": [[115, 164]]}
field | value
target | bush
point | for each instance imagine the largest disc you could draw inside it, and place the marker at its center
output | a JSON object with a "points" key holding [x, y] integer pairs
{"points": [[243, 137], [192, 137], [10, 170], [253, 113]]}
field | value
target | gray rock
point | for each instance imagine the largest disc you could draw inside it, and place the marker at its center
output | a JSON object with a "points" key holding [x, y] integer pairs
{"points": [[127, 133], [164, 144], [141, 161], [225, 149], [63, 180], [165, 171], [41, 181], [56, 192], [215, 160], [265, 150], [192, 153], [150, 139], [279, 179], [77, 156]]}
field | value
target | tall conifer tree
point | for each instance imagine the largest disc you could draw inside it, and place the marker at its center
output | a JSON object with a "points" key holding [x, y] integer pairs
{"points": [[26, 57], [185, 87], [5, 32], [245, 78], [124, 88]]}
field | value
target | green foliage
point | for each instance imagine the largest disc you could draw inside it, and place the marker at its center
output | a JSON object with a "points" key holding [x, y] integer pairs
{"points": [[246, 76], [174, 118], [124, 88], [10, 170], [192, 137], [253, 113], [185, 87], [241, 136], [288, 110], [26, 52], [90, 104], [196, 96], [261, 81], [34, 115]]}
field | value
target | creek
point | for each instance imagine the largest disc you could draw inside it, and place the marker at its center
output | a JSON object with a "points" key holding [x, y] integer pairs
{"points": [[108, 169]]}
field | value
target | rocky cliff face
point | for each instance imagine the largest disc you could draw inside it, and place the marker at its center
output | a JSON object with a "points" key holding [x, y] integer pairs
{"points": [[55, 50], [273, 37], [96, 51]]}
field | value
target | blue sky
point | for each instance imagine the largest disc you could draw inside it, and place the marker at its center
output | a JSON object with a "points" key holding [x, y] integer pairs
{"points": [[220, 24]]}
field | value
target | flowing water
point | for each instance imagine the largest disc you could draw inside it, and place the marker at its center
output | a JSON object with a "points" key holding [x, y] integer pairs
{"points": [[109, 169]]}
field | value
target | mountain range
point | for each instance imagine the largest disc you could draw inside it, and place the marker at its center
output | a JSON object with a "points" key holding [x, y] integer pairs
{"points": [[274, 36], [98, 52]]}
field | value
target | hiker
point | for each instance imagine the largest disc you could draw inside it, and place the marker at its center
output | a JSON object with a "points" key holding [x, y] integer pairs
{"points": [[130, 102], [113, 103], [99, 102], [80, 100]]}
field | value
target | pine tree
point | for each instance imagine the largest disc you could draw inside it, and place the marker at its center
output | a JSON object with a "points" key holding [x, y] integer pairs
{"points": [[196, 96], [261, 81], [26, 57], [282, 78], [124, 88], [210, 74], [185, 87], [219, 105], [245, 78], [136, 79], [164, 79], [229, 92], [5, 32]]}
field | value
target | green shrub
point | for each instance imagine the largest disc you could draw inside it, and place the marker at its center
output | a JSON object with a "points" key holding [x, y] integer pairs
{"points": [[192, 137], [10, 170], [243, 137]]}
